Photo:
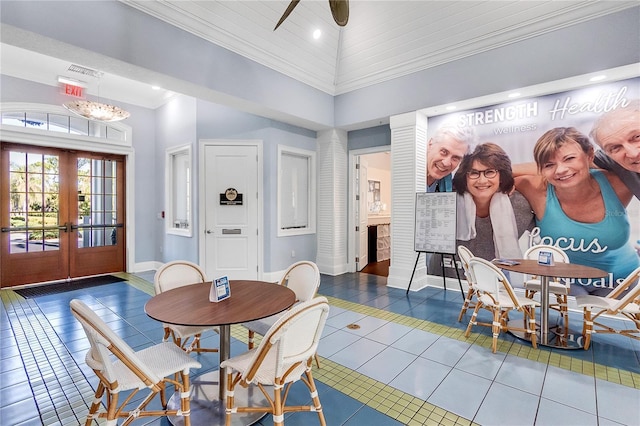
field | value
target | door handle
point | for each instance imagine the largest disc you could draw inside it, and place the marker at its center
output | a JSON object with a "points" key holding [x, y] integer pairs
{"points": [[209, 231], [64, 227]]}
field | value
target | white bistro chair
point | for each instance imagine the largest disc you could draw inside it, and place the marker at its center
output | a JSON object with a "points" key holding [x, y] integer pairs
{"points": [[283, 357], [176, 274], [616, 303], [119, 369], [303, 278], [494, 293], [465, 256]]}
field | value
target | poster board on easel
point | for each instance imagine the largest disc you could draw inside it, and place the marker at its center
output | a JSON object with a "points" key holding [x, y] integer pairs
{"points": [[435, 230]]}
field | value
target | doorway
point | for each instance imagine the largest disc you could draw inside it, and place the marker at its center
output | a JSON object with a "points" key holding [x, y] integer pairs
{"points": [[62, 215], [370, 209], [232, 202]]}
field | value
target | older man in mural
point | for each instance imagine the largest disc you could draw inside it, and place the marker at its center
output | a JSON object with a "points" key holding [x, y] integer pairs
{"points": [[444, 152], [617, 132]]}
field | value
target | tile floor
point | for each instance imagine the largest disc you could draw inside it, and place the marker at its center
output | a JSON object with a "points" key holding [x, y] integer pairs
{"points": [[407, 363]]}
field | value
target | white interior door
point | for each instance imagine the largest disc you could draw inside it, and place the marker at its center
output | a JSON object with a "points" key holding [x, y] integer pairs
{"points": [[362, 216], [231, 211]]}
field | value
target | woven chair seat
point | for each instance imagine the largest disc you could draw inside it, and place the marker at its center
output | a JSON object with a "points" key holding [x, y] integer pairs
{"points": [[263, 325], [506, 301], [163, 359], [555, 287], [267, 371], [589, 301], [184, 331]]}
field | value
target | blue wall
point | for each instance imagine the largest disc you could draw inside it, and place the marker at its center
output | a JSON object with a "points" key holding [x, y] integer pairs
{"points": [[220, 122]]}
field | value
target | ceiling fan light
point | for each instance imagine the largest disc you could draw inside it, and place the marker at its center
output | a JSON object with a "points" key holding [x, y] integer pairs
{"points": [[96, 110]]}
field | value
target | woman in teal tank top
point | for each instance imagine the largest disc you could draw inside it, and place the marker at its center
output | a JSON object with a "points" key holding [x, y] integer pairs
{"points": [[580, 210]]}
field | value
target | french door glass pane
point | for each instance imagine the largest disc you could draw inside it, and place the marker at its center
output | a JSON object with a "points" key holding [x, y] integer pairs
{"points": [[33, 202], [96, 202]]}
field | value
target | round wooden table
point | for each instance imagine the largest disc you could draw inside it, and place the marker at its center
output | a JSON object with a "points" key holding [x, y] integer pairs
{"points": [[190, 306], [560, 270]]}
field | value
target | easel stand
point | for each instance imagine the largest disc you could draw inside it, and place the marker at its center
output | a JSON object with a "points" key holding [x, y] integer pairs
{"points": [[444, 279]]}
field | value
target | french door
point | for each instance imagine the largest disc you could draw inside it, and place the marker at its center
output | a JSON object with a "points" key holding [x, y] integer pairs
{"points": [[62, 214]]}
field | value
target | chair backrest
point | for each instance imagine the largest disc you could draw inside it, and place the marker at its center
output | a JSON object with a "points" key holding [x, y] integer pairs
{"points": [[465, 256], [491, 280], [294, 337], [303, 278], [632, 296], [105, 342], [558, 254], [177, 273]]}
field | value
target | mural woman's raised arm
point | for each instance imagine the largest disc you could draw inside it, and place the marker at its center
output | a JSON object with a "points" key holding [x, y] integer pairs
{"points": [[534, 190]]}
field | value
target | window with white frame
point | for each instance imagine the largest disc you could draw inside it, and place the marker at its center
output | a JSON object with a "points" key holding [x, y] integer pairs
{"points": [[178, 191], [296, 191]]}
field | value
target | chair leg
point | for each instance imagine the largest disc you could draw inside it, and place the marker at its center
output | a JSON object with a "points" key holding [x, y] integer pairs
{"points": [[111, 409], [251, 336], [194, 346], [230, 399], [278, 409], [531, 313], [315, 357], [587, 328], [167, 333], [96, 404], [185, 399], [317, 406], [495, 330], [465, 305], [564, 312], [472, 321]]}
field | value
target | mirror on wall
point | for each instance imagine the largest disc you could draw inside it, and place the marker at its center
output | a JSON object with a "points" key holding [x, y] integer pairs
{"points": [[178, 191]]}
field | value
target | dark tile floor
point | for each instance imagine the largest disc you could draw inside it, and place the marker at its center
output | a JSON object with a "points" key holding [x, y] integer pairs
{"points": [[407, 363]]}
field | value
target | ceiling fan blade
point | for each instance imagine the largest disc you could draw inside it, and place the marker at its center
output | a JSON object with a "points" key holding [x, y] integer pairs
{"points": [[340, 11], [287, 12]]}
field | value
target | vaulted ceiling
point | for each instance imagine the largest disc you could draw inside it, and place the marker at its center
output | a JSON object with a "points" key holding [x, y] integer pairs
{"points": [[381, 41]]}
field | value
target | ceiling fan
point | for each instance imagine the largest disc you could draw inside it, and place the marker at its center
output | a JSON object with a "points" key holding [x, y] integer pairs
{"points": [[339, 10]]}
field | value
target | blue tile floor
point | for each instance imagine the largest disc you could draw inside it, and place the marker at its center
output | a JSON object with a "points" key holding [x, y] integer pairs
{"points": [[386, 359]]}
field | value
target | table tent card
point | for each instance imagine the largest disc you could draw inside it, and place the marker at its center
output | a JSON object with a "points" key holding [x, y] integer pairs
{"points": [[545, 258], [220, 289]]}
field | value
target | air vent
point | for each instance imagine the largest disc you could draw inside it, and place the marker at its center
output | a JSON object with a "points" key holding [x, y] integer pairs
{"points": [[85, 71]]}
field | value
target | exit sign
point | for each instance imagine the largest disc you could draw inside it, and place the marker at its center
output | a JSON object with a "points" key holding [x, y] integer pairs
{"points": [[71, 90]]}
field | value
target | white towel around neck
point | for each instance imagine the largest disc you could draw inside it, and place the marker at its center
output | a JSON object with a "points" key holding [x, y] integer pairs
{"points": [[503, 222]]}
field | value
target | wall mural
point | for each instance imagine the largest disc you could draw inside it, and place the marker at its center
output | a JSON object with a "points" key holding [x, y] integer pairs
{"points": [[600, 229]]}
